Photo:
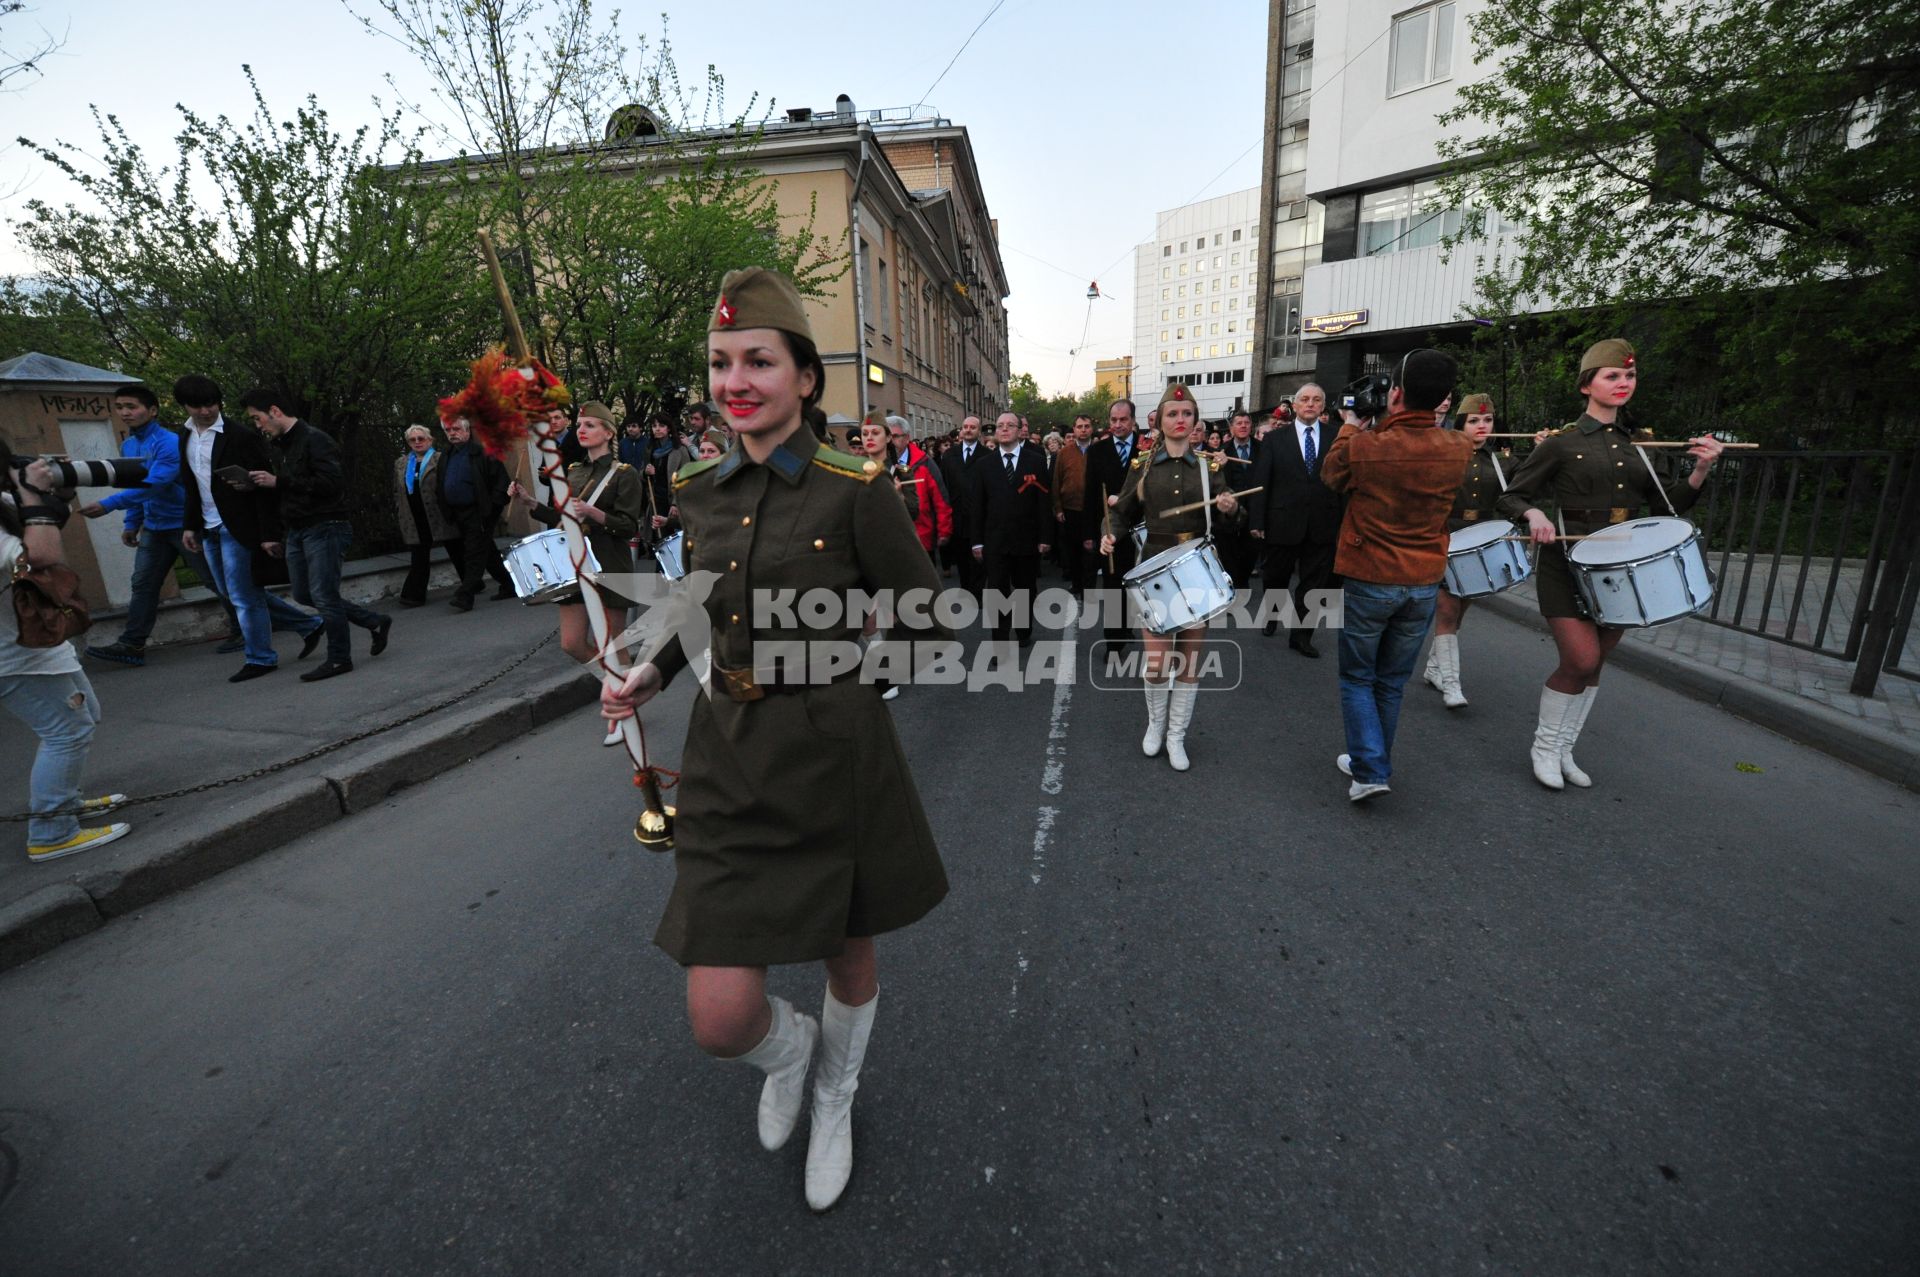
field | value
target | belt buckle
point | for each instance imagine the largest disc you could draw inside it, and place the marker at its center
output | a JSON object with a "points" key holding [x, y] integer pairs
{"points": [[741, 687], [1471, 516], [1618, 514], [1181, 538]]}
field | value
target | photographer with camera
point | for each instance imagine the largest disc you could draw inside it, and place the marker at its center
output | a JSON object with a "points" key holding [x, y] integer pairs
{"points": [[44, 687]]}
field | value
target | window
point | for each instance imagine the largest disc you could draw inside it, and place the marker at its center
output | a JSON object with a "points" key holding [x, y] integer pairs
{"points": [[1236, 237], [1214, 350], [1166, 272], [1166, 250], [1230, 348], [1421, 52], [1180, 334], [1183, 312], [1164, 356], [1216, 308], [1233, 325], [1183, 290], [1216, 244], [1236, 257], [1234, 282], [1216, 259], [1164, 292], [1183, 270], [1405, 217], [1233, 303], [1199, 265], [1213, 330], [1163, 336], [1164, 316], [1183, 246], [1216, 283]]}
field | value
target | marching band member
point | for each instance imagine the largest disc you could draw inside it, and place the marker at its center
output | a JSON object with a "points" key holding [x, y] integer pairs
{"points": [[1170, 476], [1595, 477], [609, 499], [775, 860], [1485, 481]]}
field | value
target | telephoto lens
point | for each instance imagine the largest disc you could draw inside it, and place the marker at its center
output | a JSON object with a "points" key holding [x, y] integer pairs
{"points": [[115, 472]]}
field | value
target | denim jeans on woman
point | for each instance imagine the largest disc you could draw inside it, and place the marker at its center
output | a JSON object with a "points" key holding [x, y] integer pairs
{"points": [[62, 711], [315, 555], [1385, 625]]}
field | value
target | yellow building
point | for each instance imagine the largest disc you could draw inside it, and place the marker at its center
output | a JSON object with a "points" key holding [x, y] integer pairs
{"points": [[1114, 377], [918, 325]]}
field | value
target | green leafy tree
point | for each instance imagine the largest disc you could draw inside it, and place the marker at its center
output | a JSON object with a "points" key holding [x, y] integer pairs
{"points": [[268, 253], [1734, 185]]}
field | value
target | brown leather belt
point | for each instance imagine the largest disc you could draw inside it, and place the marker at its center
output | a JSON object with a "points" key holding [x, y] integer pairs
{"points": [[1617, 514]]}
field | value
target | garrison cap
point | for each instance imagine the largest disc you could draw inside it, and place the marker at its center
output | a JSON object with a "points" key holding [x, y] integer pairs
{"points": [[1476, 405], [757, 298], [1614, 352], [1177, 393], [597, 410]]}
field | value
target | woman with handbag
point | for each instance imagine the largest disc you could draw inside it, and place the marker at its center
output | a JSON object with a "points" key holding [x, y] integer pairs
{"points": [[41, 682]]}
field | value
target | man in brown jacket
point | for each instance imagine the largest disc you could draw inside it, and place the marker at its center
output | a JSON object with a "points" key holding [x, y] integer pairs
{"points": [[1070, 504], [1399, 479]]}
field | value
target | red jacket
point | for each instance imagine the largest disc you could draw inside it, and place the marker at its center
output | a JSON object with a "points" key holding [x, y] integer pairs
{"points": [[1400, 479], [934, 522]]}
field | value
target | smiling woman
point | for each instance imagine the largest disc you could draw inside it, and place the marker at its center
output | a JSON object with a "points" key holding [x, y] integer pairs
{"points": [[772, 862]]}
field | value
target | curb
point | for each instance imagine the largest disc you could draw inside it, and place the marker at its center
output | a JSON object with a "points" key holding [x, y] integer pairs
{"points": [[1873, 749], [252, 823]]}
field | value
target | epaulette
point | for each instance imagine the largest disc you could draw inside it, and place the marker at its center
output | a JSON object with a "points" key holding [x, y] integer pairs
{"points": [[691, 471], [1214, 466], [866, 470], [1139, 459]]}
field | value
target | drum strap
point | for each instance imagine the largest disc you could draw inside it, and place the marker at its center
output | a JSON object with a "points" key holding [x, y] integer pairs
{"points": [[600, 487], [1659, 487], [1206, 493], [1498, 473]]}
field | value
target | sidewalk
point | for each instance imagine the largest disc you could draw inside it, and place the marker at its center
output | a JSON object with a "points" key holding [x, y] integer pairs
{"points": [[176, 722], [1800, 694]]}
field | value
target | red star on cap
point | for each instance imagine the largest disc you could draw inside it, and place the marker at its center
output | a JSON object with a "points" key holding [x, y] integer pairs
{"points": [[1179, 392], [724, 313], [1629, 361]]}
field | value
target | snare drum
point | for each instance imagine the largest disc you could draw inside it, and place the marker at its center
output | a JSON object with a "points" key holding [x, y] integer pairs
{"points": [[1480, 562], [671, 555], [1180, 588], [1647, 572], [542, 570]]}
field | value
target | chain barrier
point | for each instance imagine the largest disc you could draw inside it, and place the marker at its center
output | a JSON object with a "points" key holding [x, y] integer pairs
{"points": [[271, 768]]}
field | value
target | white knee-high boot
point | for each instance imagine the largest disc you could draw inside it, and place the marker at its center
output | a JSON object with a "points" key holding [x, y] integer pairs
{"points": [[1569, 733], [1179, 717], [843, 1046], [1446, 659], [1431, 675], [783, 1055], [1555, 709], [1156, 717]]}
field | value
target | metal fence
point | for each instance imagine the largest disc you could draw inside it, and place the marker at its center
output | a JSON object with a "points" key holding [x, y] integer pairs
{"points": [[1816, 550]]}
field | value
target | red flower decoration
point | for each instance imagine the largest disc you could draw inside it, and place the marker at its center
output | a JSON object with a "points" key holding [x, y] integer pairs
{"points": [[501, 398]]}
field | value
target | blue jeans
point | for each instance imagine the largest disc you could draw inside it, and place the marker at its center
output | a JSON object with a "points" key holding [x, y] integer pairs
{"points": [[151, 563], [1385, 625], [232, 564], [62, 710], [314, 557]]}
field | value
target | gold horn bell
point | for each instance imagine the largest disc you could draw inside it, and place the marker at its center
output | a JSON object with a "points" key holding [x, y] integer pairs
{"points": [[654, 829]]}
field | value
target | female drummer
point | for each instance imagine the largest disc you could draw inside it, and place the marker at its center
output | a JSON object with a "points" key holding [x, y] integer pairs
{"points": [[1594, 476], [776, 859], [609, 499], [1170, 476], [1485, 481]]}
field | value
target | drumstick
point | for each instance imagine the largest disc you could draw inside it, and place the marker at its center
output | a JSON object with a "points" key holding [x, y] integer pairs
{"points": [[1232, 461], [1555, 541], [1106, 526], [1195, 505], [907, 483], [1638, 443]]}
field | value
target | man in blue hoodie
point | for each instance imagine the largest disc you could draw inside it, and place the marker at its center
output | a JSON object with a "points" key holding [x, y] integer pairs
{"points": [[155, 516]]}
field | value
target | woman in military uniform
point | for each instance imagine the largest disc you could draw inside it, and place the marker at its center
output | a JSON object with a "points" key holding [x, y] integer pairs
{"points": [[1486, 480], [776, 858], [609, 499], [1594, 476], [1170, 476]]}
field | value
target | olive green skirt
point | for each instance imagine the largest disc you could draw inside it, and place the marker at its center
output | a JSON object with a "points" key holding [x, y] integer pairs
{"points": [[798, 826]]}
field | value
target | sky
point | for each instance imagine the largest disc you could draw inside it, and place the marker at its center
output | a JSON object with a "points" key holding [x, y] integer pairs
{"points": [[1086, 118]]}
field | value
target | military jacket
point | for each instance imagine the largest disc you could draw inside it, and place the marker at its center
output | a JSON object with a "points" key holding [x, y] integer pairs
{"points": [[1592, 476], [1481, 489], [1162, 481], [624, 501]]}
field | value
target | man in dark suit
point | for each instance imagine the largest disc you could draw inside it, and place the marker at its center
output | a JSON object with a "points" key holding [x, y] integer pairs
{"points": [[1108, 460], [1012, 519], [473, 487], [1296, 515], [1239, 552], [228, 523], [962, 465]]}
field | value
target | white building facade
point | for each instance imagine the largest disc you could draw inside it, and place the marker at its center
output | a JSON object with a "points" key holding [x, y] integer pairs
{"points": [[1194, 287], [1384, 284]]}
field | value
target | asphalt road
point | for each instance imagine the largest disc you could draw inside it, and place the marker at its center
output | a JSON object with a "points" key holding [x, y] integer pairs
{"points": [[1213, 1023]]}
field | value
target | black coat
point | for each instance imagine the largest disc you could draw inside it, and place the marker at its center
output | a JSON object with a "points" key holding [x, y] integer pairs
{"points": [[1012, 515], [489, 479], [1293, 506], [1106, 472], [249, 517], [961, 480]]}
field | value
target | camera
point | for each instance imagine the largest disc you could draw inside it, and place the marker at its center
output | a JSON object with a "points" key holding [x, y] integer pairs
{"points": [[68, 474], [1367, 397]]}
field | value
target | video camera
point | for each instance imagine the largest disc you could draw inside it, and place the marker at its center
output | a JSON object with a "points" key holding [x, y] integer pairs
{"points": [[1367, 397]]}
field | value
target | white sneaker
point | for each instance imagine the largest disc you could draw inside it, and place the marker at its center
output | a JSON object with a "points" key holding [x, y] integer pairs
{"points": [[1345, 764], [1360, 791], [891, 694]]}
